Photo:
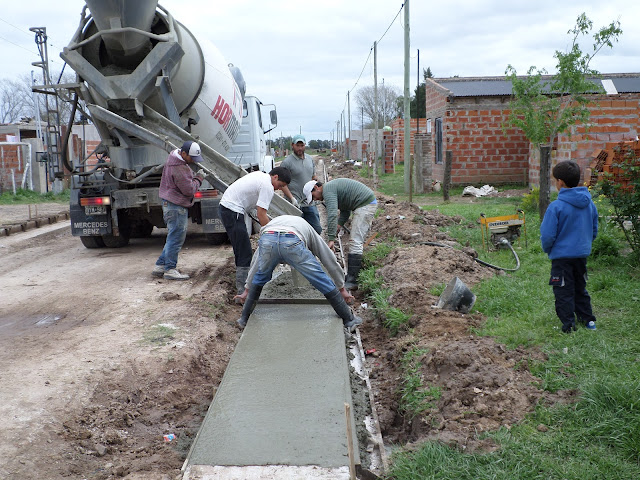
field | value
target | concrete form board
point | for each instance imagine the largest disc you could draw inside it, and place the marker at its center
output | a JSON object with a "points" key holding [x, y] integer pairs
{"points": [[281, 400]]}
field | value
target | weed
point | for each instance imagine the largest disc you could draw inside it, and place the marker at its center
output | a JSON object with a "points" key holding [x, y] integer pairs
{"points": [[160, 334]]}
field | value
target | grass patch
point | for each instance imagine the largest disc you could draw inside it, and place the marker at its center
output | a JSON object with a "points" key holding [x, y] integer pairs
{"points": [[160, 334], [598, 436], [28, 196], [416, 398], [373, 286]]}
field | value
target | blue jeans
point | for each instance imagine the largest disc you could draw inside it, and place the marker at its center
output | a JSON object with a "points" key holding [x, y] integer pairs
{"points": [[281, 247], [175, 217], [310, 214]]}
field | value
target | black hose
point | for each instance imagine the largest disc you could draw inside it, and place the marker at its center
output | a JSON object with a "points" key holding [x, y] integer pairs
{"points": [[504, 241], [435, 244], [67, 134]]}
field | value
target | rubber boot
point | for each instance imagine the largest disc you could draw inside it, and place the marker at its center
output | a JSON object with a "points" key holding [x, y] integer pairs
{"points": [[349, 319], [249, 304], [241, 278], [354, 264]]}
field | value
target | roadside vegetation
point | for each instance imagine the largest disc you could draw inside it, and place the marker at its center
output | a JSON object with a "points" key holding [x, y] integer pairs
{"points": [[598, 437], [23, 197]]}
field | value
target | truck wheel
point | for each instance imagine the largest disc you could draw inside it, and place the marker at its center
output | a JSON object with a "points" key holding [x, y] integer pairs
{"points": [[216, 238], [92, 242], [141, 229]]}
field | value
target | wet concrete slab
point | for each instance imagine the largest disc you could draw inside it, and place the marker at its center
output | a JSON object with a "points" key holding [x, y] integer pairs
{"points": [[282, 398]]}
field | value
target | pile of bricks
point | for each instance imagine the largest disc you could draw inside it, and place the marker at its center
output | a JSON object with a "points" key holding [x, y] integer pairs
{"points": [[610, 159]]}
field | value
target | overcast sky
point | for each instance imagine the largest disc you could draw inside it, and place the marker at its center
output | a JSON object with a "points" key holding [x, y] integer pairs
{"points": [[305, 56]]}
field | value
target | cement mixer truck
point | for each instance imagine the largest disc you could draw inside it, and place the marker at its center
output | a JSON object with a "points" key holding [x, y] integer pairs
{"points": [[148, 85]]}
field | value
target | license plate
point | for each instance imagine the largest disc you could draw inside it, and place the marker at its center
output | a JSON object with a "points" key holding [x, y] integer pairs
{"points": [[95, 210]]}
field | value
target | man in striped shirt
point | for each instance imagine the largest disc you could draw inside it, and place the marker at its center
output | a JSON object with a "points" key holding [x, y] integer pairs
{"points": [[347, 196]]}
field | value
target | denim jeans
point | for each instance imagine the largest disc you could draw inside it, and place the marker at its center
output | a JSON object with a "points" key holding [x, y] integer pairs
{"points": [[281, 247], [360, 226], [310, 214], [175, 216]]}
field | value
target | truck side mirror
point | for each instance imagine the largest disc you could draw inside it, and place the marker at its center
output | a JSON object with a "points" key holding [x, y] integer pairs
{"points": [[274, 117]]}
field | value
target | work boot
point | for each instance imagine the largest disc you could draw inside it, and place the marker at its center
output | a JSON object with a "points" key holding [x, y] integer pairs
{"points": [[349, 319], [241, 278], [354, 264], [249, 304]]}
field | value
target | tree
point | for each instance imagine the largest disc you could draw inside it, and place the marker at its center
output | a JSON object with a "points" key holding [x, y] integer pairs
{"points": [[418, 101], [544, 107], [13, 105], [387, 105], [17, 100]]}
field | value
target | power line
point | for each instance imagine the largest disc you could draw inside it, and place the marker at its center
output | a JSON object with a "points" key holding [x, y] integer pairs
{"points": [[392, 22], [19, 46], [370, 52]]}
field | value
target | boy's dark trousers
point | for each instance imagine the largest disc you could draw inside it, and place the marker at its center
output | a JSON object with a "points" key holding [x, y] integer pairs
{"points": [[569, 282]]}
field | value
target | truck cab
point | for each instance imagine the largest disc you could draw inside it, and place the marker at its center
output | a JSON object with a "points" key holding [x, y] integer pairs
{"points": [[249, 150]]}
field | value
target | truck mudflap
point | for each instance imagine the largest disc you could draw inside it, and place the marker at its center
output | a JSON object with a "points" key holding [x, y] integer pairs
{"points": [[210, 211], [89, 221]]}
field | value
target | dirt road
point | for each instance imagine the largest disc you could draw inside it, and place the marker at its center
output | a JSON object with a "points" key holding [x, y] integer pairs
{"points": [[100, 358]]}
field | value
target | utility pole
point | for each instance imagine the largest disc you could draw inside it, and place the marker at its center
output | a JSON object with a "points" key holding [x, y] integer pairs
{"points": [[407, 107], [349, 113], [375, 115]]}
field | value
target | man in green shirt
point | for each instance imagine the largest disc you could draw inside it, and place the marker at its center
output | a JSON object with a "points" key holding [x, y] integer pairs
{"points": [[348, 196], [302, 170]]}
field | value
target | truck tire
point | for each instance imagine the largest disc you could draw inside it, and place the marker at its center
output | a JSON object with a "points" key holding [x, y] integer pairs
{"points": [[92, 242], [216, 238], [111, 241], [141, 229]]}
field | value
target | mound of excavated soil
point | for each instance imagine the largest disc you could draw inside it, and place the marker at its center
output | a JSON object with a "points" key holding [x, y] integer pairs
{"points": [[483, 385]]}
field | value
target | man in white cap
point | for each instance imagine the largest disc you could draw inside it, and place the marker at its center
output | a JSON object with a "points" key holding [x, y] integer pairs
{"points": [[302, 170], [346, 195], [290, 239], [178, 186]]}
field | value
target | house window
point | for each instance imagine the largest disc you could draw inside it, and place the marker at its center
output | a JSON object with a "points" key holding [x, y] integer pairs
{"points": [[428, 125], [438, 158]]}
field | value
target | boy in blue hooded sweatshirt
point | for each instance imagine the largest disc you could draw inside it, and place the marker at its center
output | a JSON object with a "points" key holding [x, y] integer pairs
{"points": [[568, 228]]}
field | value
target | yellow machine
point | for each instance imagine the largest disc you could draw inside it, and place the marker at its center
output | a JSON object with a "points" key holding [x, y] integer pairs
{"points": [[503, 230]]}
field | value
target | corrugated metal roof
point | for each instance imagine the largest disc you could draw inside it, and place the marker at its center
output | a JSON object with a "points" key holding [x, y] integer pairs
{"points": [[499, 86]]}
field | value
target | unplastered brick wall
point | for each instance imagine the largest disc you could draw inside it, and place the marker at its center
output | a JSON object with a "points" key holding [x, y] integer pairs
{"points": [[397, 128], [12, 164], [613, 119], [483, 151]]}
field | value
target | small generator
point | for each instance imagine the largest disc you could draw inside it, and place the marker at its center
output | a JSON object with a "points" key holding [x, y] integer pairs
{"points": [[502, 231]]}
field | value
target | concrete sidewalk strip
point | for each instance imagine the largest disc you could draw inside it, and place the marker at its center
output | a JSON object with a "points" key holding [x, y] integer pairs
{"points": [[281, 400]]}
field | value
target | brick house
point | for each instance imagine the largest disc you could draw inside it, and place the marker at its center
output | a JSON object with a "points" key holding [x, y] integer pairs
{"points": [[466, 116], [21, 149]]}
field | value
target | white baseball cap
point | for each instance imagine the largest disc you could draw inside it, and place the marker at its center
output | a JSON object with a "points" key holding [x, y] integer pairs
{"points": [[306, 190], [193, 150]]}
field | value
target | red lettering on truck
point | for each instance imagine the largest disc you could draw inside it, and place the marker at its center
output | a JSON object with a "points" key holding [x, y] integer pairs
{"points": [[217, 110]]}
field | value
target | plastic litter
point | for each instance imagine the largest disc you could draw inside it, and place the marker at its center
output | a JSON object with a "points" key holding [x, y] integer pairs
{"points": [[169, 437]]}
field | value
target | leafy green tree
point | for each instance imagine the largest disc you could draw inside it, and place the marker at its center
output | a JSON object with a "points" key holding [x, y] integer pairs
{"points": [[623, 192], [418, 104], [543, 107]]}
